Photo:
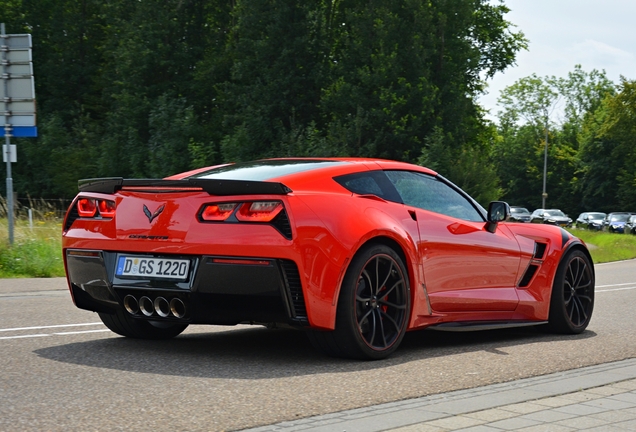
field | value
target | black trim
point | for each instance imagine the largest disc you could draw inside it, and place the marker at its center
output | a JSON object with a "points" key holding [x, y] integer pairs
{"points": [[565, 237], [110, 185], [466, 326], [71, 217]]}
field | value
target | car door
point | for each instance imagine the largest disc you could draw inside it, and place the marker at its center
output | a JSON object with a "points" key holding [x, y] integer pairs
{"points": [[466, 267]]}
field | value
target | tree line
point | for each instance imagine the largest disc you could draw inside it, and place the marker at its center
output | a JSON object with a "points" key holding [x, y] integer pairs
{"points": [[149, 88]]}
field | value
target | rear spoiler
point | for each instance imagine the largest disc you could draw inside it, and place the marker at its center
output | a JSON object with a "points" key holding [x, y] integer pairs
{"points": [[110, 185]]}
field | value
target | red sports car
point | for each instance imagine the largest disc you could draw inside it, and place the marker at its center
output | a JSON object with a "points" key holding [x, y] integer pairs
{"points": [[354, 251]]}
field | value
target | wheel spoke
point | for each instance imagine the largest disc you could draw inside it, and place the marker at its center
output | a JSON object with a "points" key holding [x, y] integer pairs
{"points": [[577, 297], [395, 324], [377, 315], [381, 302]]}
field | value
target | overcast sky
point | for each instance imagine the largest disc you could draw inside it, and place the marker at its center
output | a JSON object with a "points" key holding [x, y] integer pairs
{"points": [[597, 34]]}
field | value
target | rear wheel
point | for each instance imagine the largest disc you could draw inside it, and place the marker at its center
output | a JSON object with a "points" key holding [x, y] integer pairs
{"points": [[125, 325], [373, 307], [572, 299]]}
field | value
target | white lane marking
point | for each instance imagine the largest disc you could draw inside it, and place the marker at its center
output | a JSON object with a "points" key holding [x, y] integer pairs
{"points": [[48, 327], [23, 336], [616, 289], [81, 332], [52, 334]]}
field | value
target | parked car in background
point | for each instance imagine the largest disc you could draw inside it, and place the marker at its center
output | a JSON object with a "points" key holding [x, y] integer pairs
{"points": [[551, 216], [592, 220], [630, 225], [519, 214], [615, 222]]}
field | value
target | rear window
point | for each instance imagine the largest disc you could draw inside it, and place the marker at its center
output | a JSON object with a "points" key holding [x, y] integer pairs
{"points": [[263, 170]]}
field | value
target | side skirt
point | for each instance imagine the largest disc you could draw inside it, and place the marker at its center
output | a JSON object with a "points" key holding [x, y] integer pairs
{"points": [[482, 325]]}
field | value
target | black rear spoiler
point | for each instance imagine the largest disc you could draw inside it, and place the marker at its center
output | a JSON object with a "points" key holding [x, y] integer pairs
{"points": [[110, 185]]}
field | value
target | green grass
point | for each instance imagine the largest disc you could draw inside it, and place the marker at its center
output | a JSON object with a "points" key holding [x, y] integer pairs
{"points": [[606, 247], [36, 252]]}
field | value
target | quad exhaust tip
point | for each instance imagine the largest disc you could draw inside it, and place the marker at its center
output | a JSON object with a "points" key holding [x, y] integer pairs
{"points": [[161, 306]]}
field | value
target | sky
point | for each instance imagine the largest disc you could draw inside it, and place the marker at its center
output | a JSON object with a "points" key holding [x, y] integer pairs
{"points": [[597, 34]]}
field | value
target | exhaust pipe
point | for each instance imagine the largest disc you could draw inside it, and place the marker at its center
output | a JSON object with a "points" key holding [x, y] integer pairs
{"points": [[177, 307], [162, 307], [146, 306], [131, 305]]}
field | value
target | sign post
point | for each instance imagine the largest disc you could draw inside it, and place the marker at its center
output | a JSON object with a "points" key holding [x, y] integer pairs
{"points": [[17, 101]]}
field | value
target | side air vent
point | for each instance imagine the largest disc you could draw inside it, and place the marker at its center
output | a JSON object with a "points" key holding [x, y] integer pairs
{"points": [[539, 250], [527, 277], [537, 260], [72, 216], [294, 290], [281, 223]]}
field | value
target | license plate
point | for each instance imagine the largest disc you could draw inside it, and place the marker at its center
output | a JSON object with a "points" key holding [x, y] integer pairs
{"points": [[150, 267]]}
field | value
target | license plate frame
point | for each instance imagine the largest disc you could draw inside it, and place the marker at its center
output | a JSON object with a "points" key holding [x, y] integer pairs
{"points": [[152, 267]]}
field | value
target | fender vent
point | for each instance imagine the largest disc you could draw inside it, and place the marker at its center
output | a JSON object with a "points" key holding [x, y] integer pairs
{"points": [[537, 257], [539, 250], [527, 277]]}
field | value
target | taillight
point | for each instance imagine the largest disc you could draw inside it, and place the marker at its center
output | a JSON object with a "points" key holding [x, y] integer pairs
{"points": [[92, 207], [217, 212], [86, 207], [106, 208], [259, 211]]}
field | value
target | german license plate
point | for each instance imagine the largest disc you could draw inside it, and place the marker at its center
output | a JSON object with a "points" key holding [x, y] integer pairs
{"points": [[151, 267]]}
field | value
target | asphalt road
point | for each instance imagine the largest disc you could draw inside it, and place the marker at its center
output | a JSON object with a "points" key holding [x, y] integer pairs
{"points": [[62, 370]]}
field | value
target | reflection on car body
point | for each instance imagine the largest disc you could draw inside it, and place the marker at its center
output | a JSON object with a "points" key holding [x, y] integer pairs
{"points": [[355, 252]]}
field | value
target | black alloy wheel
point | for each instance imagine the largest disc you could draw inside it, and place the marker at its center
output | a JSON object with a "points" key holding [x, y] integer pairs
{"points": [[572, 299], [380, 302], [373, 307]]}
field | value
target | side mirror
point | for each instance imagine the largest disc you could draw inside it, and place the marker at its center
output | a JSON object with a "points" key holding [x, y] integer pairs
{"points": [[497, 211]]}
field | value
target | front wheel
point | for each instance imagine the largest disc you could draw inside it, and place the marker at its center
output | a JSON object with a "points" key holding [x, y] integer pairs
{"points": [[125, 325], [572, 299], [373, 307]]}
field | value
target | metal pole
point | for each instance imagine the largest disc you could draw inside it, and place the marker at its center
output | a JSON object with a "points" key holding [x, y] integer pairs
{"points": [[544, 195], [7, 134]]}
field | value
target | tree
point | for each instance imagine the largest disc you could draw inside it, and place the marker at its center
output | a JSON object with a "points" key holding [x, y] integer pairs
{"points": [[150, 87], [539, 110], [607, 151]]}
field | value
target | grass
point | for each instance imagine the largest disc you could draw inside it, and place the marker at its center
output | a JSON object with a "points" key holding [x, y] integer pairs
{"points": [[37, 251], [606, 247]]}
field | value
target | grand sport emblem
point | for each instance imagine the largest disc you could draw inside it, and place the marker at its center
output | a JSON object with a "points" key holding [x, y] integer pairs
{"points": [[152, 216]]}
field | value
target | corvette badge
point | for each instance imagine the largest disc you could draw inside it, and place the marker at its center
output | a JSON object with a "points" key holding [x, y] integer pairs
{"points": [[152, 216]]}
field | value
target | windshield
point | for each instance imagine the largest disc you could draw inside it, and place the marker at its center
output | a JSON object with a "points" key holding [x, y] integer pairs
{"points": [[555, 213], [519, 210], [619, 218], [596, 216]]}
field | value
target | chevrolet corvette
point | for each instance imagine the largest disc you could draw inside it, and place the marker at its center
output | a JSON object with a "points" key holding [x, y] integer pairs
{"points": [[355, 252]]}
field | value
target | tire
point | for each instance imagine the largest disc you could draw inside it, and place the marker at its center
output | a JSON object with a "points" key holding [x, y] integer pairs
{"points": [[373, 307], [572, 299], [124, 325]]}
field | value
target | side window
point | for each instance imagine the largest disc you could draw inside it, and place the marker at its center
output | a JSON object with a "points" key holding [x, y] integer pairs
{"points": [[428, 193], [370, 183]]}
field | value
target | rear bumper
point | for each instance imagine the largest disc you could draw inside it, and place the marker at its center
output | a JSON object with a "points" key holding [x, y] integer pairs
{"points": [[218, 290]]}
